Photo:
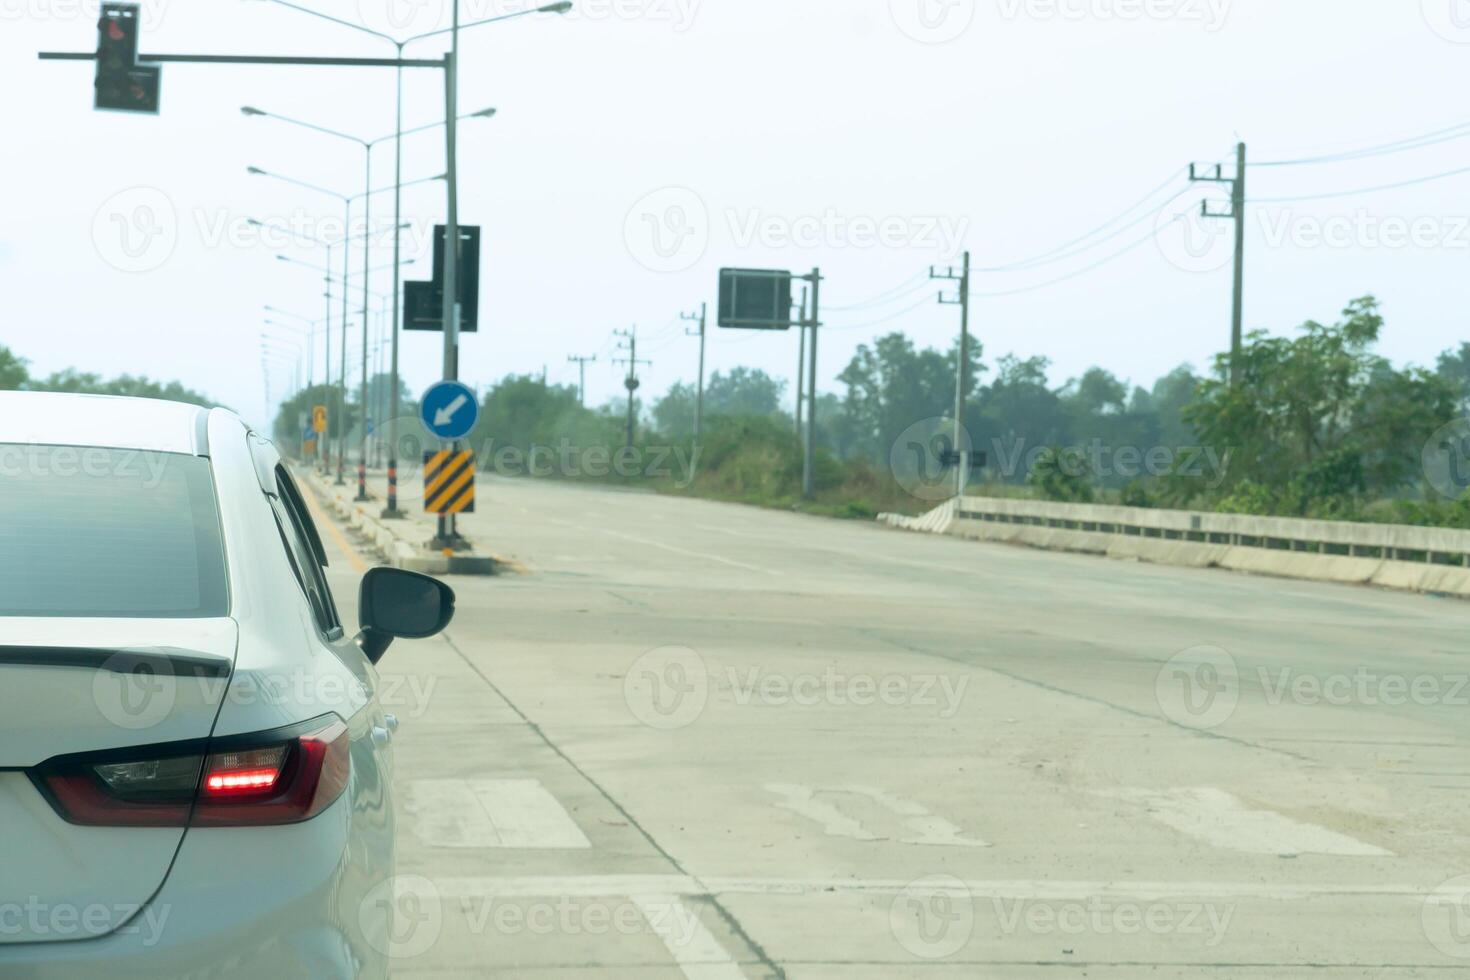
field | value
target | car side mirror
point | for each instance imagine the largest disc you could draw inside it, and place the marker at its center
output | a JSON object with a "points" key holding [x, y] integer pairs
{"points": [[397, 604]]}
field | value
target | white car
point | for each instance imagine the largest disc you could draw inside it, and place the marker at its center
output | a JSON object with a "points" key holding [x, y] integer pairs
{"points": [[195, 768]]}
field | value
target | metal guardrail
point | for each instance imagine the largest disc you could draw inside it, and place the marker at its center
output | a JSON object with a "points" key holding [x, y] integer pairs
{"points": [[1395, 542]]}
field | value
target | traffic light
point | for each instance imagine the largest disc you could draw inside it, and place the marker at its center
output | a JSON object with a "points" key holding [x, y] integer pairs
{"points": [[123, 84]]}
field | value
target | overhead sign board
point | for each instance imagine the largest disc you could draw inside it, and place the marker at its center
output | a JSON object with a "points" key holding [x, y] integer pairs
{"points": [[423, 302], [755, 299]]}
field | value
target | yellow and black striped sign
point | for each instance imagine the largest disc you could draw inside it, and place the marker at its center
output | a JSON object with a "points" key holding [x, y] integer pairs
{"points": [[449, 482]]}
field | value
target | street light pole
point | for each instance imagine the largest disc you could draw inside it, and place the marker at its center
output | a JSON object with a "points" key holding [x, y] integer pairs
{"points": [[391, 512], [367, 205]]}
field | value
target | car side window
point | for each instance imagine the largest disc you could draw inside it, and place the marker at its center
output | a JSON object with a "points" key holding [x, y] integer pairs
{"points": [[304, 548]]}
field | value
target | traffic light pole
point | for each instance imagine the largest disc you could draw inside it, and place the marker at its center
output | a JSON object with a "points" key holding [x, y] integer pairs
{"points": [[445, 64]]}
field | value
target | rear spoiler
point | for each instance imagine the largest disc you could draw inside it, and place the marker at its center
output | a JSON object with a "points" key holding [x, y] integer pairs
{"points": [[160, 661]]}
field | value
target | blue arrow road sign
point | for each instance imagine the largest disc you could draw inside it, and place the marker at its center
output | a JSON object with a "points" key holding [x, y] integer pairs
{"points": [[449, 410]]}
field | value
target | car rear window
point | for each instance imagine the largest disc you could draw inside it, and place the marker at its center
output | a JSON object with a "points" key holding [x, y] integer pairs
{"points": [[86, 531]]}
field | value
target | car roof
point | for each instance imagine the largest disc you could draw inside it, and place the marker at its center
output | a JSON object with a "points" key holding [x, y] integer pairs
{"points": [[65, 419]]}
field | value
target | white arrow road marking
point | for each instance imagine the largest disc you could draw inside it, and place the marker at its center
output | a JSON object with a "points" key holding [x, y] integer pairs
{"points": [[474, 813], [818, 804], [1221, 820], [446, 414]]}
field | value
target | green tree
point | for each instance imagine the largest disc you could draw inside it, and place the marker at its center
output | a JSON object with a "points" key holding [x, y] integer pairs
{"points": [[1318, 420], [891, 386], [13, 373]]}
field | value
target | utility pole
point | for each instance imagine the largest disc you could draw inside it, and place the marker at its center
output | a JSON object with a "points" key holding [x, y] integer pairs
{"points": [[812, 321], [631, 382], [800, 361], [582, 363], [699, 390], [1237, 213], [962, 471]]}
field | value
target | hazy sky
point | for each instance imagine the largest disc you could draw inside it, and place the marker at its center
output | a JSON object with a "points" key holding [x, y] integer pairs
{"points": [[641, 145]]}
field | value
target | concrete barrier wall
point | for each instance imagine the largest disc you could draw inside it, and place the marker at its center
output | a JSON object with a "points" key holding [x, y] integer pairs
{"points": [[1389, 555]]}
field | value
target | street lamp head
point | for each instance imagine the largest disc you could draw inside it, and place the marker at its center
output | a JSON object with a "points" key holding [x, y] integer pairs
{"points": [[484, 113], [256, 171], [555, 8], [250, 110]]}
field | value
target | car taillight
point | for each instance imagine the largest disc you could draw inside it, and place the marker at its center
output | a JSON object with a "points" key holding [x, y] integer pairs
{"points": [[278, 777]]}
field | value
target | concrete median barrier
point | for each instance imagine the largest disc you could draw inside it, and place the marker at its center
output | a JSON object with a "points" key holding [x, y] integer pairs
{"points": [[1419, 559], [403, 544]]}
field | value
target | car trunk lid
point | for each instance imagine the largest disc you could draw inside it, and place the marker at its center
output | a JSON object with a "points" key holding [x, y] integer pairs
{"points": [[114, 684]]}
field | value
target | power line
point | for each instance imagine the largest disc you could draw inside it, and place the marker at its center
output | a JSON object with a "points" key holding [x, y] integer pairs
{"points": [[889, 295], [1449, 133], [1361, 190], [925, 301], [1042, 259], [1073, 275]]}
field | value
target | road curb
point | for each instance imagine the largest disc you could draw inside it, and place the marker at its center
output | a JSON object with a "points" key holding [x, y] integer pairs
{"points": [[404, 543]]}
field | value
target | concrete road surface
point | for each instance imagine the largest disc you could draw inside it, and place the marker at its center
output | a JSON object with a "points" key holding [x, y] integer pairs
{"points": [[710, 741]]}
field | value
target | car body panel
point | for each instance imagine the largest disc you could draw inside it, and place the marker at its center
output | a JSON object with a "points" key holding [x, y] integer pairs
{"points": [[280, 901]]}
